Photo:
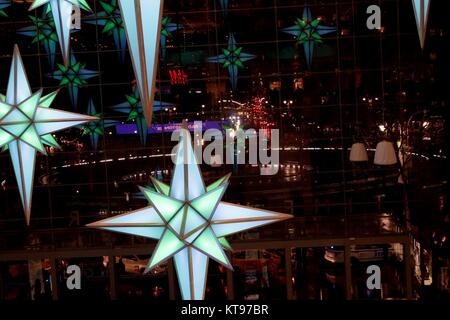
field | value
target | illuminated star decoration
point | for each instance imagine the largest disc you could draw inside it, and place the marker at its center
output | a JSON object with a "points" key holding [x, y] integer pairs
{"points": [[190, 221], [224, 6], [73, 76], [308, 32], [62, 16], [4, 4], [133, 107], [43, 31], [142, 23], [112, 24], [232, 58], [421, 10], [167, 27], [26, 124], [95, 129]]}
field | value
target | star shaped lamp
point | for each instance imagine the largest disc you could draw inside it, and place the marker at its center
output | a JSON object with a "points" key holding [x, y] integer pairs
{"points": [[62, 15], [73, 76], [112, 24], [190, 221], [4, 4], [233, 59], [133, 107], [308, 33], [26, 124], [43, 31], [142, 23], [95, 129], [167, 27], [421, 10]]}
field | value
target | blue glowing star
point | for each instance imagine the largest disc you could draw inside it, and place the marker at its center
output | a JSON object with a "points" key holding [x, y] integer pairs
{"points": [[421, 10], [95, 129], [4, 4], [26, 124], [73, 76], [308, 32], [167, 27], [43, 31], [232, 58], [112, 24], [190, 221], [62, 16], [142, 22], [133, 107]]}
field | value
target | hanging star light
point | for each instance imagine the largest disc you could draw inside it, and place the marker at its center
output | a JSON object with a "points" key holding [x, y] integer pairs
{"points": [[26, 124], [224, 6], [43, 31], [190, 221], [4, 4], [142, 22], [421, 10], [308, 33], [73, 76], [232, 58], [62, 16], [133, 107], [112, 24], [95, 129], [167, 27]]}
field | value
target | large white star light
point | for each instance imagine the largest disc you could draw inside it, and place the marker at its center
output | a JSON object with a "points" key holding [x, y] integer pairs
{"points": [[190, 221], [62, 15], [26, 124]]}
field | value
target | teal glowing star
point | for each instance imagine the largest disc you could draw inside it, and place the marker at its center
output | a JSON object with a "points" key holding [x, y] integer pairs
{"points": [[43, 31], [133, 107], [142, 22], [233, 59], [62, 16], [4, 4], [421, 10], [112, 24], [26, 124], [190, 221], [95, 129], [73, 76], [308, 33], [167, 27]]}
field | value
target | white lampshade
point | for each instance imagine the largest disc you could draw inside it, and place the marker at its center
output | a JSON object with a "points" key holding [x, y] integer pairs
{"points": [[358, 152], [385, 154]]}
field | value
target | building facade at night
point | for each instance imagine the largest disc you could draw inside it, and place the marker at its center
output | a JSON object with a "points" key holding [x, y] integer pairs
{"points": [[360, 113]]}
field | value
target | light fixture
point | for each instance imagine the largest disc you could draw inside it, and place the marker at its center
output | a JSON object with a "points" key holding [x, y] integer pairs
{"points": [[142, 23], [26, 125], [62, 16], [190, 221], [385, 154], [358, 152]]}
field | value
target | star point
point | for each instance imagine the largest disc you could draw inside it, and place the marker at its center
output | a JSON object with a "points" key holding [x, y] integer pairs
{"points": [[142, 24], [190, 221], [62, 16], [308, 32]]}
